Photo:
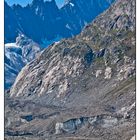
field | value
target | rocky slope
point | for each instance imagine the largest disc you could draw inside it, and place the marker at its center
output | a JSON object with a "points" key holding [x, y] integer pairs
{"points": [[17, 55], [50, 22], [80, 88]]}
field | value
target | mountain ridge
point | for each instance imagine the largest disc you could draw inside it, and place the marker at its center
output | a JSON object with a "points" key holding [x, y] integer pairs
{"points": [[69, 19]]}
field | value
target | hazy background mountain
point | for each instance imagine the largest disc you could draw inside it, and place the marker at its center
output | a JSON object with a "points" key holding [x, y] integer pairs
{"points": [[43, 20], [60, 3], [17, 55]]}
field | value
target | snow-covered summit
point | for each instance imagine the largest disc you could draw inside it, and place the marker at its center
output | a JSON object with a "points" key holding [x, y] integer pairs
{"points": [[17, 55]]}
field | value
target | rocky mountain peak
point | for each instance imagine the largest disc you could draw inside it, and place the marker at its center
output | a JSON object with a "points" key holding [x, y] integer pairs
{"points": [[17, 55], [20, 39], [37, 2], [71, 18], [42, 3]]}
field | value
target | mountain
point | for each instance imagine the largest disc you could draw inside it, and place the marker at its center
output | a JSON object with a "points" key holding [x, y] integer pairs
{"points": [[45, 21], [17, 55], [45, 24], [12, 26], [82, 87]]}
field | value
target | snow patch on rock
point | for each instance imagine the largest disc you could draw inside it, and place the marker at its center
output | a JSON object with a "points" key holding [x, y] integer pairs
{"points": [[108, 73]]}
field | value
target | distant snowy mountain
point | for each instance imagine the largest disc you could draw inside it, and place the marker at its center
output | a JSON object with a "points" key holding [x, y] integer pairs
{"points": [[18, 55], [43, 20]]}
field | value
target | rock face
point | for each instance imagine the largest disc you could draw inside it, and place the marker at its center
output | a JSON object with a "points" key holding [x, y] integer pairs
{"points": [[82, 87], [50, 22], [17, 55]]}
